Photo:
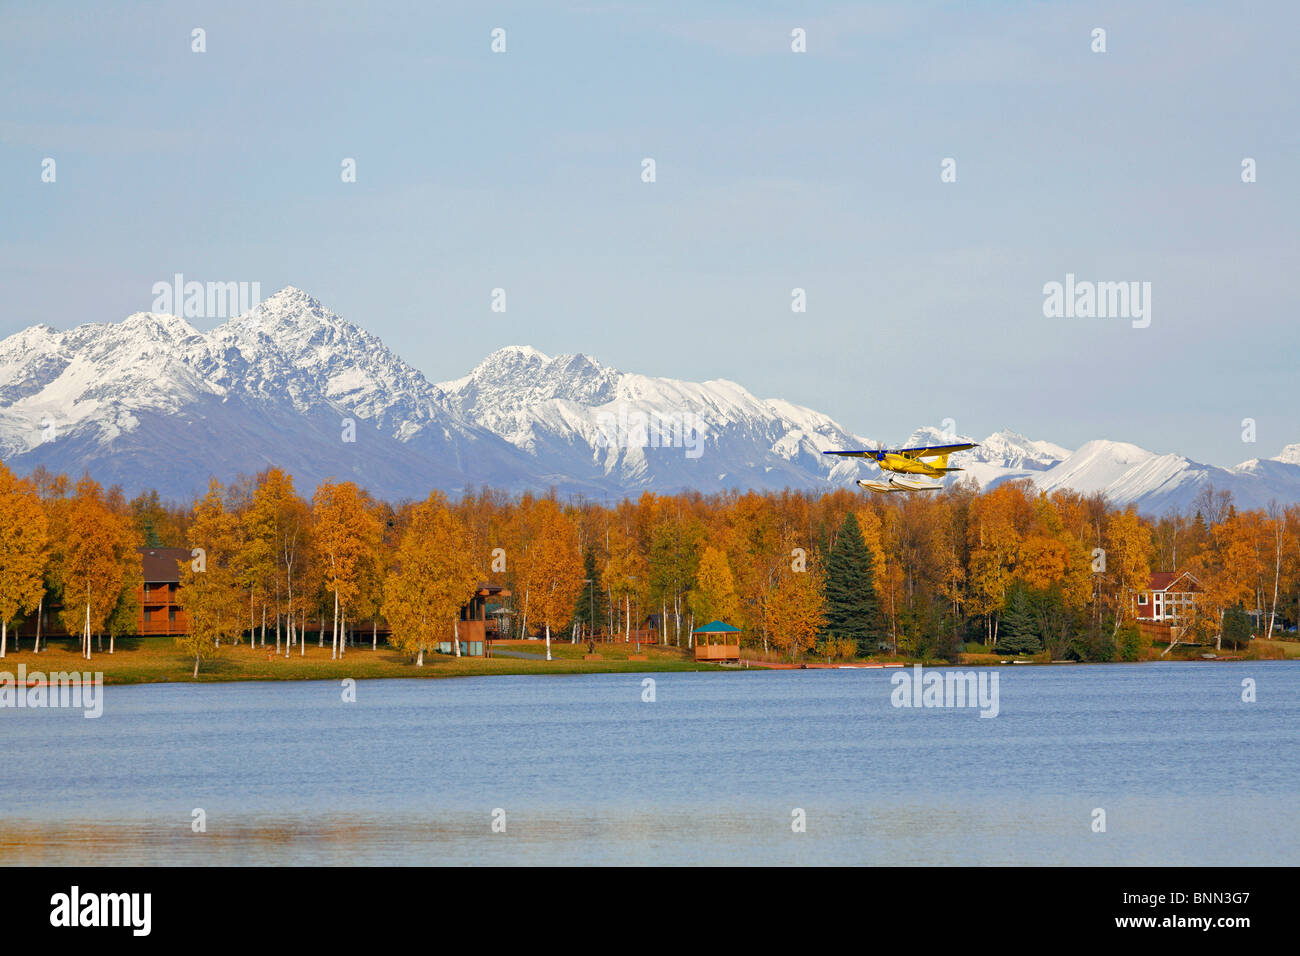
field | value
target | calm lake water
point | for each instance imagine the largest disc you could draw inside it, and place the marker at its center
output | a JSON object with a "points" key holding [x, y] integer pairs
{"points": [[710, 772]]}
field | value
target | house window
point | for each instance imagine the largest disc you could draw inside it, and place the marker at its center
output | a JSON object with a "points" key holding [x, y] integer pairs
{"points": [[148, 615], [171, 614], [1142, 599]]}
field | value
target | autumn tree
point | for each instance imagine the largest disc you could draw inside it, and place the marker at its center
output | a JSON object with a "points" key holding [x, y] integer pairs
{"points": [[755, 552], [557, 574], [158, 525], [23, 529], [432, 579], [714, 595], [101, 545], [520, 533], [53, 493], [997, 522], [345, 533], [625, 572], [1128, 562], [210, 589], [124, 619], [276, 528], [794, 611], [880, 536], [673, 557], [948, 541], [1228, 571], [374, 567]]}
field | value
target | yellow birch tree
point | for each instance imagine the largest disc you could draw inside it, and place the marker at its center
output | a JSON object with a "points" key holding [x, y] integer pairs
{"points": [[22, 552], [433, 578]]}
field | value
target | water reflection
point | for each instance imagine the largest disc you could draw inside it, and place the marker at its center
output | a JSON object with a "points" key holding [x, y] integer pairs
{"points": [[585, 772]]}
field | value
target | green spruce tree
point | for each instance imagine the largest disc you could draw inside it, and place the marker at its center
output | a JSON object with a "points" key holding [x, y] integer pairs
{"points": [[585, 612], [1017, 630], [1237, 627], [851, 611]]}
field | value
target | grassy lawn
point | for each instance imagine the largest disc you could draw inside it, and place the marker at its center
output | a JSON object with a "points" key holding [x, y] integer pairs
{"points": [[158, 659], [1276, 650], [1258, 650], [968, 657]]}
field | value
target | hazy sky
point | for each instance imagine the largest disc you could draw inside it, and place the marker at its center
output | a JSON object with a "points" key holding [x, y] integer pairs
{"points": [[775, 170]]}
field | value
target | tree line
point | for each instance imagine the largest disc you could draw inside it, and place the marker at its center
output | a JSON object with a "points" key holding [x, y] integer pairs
{"points": [[836, 574]]}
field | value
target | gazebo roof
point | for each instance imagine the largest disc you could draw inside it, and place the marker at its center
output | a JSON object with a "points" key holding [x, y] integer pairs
{"points": [[717, 627]]}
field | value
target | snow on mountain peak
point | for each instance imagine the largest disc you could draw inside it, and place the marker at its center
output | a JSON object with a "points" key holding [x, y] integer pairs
{"points": [[159, 324], [289, 308], [522, 352], [1015, 449], [292, 343], [1095, 466], [1290, 455], [519, 376]]}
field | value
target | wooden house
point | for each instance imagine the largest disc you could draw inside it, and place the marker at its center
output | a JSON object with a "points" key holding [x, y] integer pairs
{"points": [[1168, 596], [160, 611]]}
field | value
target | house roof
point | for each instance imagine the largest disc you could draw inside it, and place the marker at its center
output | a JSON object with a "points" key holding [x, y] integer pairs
{"points": [[1162, 580], [161, 565]]}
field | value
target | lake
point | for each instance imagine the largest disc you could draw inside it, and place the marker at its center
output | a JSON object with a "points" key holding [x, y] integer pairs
{"points": [[583, 771]]}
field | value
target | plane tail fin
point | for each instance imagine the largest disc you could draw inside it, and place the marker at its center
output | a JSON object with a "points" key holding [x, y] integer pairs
{"points": [[940, 463]]}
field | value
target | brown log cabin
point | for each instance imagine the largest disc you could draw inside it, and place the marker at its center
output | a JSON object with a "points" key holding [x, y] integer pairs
{"points": [[161, 614]]}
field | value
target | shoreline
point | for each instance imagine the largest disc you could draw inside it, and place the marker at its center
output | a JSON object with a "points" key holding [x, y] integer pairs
{"points": [[154, 661]]}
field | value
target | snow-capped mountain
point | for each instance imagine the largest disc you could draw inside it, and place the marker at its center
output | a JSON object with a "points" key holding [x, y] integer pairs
{"points": [[1157, 483], [576, 417], [150, 402]]}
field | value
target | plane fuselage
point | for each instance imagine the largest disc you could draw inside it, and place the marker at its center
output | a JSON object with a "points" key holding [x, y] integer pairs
{"points": [[912, 466]]}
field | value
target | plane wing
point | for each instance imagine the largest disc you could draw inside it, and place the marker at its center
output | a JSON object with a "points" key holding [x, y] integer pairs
{"points": [[923, 452], [932, 450]]}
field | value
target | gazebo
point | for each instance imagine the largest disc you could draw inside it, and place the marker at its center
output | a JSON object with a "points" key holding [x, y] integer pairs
{"points": [[727, 648]]}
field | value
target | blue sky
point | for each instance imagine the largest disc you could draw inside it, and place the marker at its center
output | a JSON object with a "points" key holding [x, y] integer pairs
{"points": [[775, 170]]}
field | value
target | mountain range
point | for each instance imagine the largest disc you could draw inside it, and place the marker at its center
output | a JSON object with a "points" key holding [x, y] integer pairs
{"points": [[151, 402]]}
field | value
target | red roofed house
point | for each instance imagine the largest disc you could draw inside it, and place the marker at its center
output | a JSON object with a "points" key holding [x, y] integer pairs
{"points": [[1167, 596]]}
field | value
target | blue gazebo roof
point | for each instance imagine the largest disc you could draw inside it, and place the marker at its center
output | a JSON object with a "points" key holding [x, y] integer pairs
{"points": [[717, 627]]}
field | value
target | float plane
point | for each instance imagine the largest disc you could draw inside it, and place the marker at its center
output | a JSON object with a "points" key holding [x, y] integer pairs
{"points": [[907, 461]]}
